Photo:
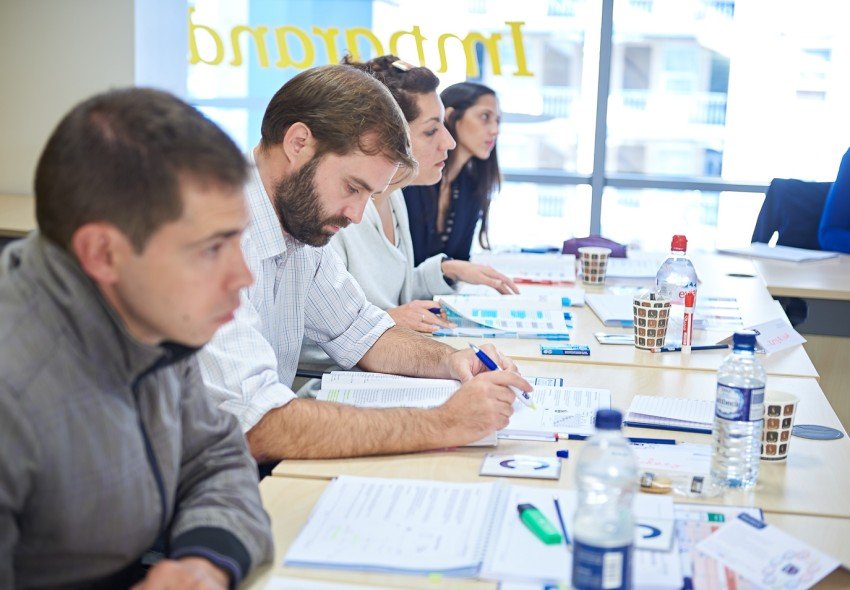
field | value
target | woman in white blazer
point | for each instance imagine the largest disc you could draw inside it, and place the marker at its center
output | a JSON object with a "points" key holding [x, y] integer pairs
{"points": [[378, 252]]}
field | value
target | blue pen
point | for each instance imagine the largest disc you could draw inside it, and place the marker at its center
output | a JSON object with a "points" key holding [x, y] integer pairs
{"points": [[561, 522], [631, 439], [435, 310], [491, 366]]}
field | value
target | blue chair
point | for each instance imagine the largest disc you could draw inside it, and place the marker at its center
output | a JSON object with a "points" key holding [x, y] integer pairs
{"points": [[793, 208]]}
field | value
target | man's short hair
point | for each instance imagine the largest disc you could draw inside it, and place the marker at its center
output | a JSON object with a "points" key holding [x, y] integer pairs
{"points": [[341, 106], [120, 157]]}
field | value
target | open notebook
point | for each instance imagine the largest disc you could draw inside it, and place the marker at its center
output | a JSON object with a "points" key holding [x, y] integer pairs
{"points": [[560, 410], [464, 529], [506, 315]]}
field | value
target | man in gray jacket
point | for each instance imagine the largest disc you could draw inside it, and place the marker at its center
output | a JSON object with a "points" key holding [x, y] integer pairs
{"points": [[108, 440]]}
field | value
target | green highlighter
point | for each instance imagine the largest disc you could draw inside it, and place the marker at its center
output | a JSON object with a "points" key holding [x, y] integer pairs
{"points": [[538, 524]]}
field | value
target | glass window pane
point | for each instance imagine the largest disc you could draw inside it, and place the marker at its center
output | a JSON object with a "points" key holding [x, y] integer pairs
{"points": [[745, 90], [646, 219], [526, 214]]}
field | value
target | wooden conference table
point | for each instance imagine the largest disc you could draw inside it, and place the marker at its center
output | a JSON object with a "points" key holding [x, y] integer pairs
{"points": [[289, 502], [813, 481], [720, 275], [805, 496]]}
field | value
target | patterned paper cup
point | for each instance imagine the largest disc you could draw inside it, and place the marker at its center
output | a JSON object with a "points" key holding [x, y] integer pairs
{"points": [[779, 411], [594, 262], [651, 316]]}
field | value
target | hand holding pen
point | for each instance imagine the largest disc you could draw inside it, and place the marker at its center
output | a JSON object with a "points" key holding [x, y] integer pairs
{"points": [[492, 366]]}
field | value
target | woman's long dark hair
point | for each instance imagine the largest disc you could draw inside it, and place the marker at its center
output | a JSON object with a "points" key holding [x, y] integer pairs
{"points": [[485, 173]]}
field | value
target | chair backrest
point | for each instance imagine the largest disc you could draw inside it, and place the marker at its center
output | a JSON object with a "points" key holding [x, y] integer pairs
{"points": [[793, 208]]}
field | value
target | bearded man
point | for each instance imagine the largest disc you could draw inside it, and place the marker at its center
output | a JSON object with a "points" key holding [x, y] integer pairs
{"points": [[332, 137]]}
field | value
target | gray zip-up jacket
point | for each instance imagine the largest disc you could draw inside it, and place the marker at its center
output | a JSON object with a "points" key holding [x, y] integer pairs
{"points": [[107, 444]]}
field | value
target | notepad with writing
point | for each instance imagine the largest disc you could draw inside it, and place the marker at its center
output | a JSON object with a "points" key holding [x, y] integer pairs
{"points": [[561, 410], [455, 529], [671, 413]]}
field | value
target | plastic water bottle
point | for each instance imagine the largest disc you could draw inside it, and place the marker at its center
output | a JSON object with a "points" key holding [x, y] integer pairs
{"points": [[738, 415], [676, 277], [603, 529]]}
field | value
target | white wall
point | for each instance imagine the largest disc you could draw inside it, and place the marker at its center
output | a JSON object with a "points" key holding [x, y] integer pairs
{"points": [[54, 53]]}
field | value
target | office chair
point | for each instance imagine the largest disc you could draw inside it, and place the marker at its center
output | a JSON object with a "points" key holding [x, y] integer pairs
{"points": [[792, 208]]}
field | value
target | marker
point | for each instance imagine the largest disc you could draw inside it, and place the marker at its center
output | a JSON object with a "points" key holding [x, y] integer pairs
{"points": [[688, 321], [491, 366], [537, 523], [561, 522], [679, 348], [631, 439]]}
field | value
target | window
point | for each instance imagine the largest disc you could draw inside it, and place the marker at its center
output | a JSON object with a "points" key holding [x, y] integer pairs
{"points": [[708, 100]]}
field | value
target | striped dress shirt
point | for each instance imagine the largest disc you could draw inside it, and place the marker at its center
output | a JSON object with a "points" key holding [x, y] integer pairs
{"points": [[299, 291]]}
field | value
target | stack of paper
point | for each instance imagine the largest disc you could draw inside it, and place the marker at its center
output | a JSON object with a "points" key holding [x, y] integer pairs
{"points": [[545, 269], [671, 413], [612, 310], [786, 253], [559, 410]]}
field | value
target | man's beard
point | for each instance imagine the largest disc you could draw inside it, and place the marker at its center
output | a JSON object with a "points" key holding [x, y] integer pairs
{"points": [[296, 202]]}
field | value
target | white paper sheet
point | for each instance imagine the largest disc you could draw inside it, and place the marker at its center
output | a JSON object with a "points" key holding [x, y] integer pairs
{"points": [[767, 556], [535, 268], [415, 526], [517, 555]]}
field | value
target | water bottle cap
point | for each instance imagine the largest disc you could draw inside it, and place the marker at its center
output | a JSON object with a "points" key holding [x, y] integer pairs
{"points": [[608, 419], [679, 244], [744, 340]]}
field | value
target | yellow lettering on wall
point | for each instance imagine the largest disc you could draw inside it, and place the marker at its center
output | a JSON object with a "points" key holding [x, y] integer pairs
{"points": [[283, 48], [194, 55], [351, 41], [329, 37], [519, 48], [417, 35], [469, 42], [258, 35]]}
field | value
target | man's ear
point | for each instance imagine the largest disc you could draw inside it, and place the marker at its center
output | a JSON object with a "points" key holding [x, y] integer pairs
{"points": [[101, 249], [298, 143]]}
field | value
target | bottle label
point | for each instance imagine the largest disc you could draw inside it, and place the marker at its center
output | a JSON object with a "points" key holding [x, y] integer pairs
{"points": [[601, 568], [739, 404]]}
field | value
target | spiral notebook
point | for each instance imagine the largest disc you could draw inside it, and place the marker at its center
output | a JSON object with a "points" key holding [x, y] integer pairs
{"points": [[671, 413]]}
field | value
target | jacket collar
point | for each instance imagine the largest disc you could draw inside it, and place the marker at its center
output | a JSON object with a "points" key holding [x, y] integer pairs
{"points": [[90, 324]]}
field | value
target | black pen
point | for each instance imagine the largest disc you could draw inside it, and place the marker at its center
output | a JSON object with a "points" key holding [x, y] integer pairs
{"points": [[679, 348]]}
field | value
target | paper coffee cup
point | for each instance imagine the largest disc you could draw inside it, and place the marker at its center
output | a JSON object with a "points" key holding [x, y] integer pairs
{"points": [[651, 318], [779, 411], [594, 264]]}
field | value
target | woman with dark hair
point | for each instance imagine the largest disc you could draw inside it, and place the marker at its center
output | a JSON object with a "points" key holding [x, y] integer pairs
{"points": [[378, 251], [443, 217]]}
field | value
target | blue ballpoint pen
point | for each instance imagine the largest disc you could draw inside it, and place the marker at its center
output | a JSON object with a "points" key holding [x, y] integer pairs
{"points": [[491, 366]]}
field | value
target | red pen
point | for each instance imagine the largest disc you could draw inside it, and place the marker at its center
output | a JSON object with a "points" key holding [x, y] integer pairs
{"points": [[688, 321]]}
